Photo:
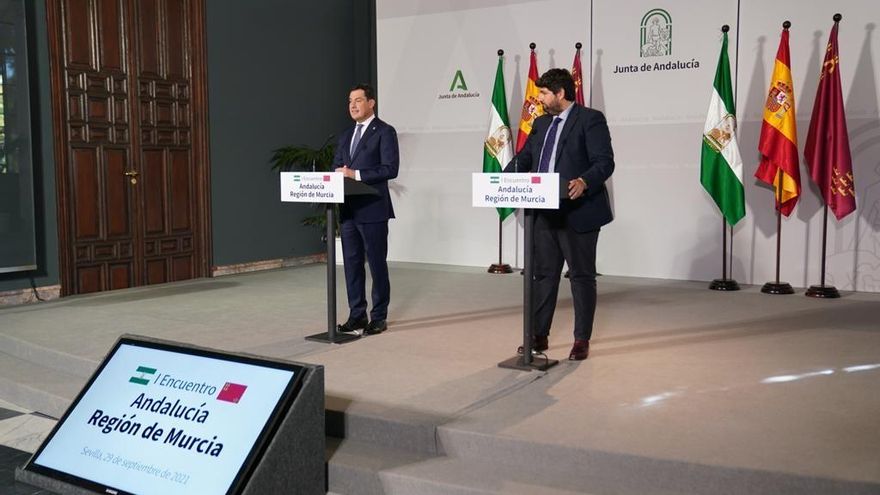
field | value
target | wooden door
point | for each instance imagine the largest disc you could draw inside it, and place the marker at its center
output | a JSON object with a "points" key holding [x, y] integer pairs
{"points": [[131, 141]]}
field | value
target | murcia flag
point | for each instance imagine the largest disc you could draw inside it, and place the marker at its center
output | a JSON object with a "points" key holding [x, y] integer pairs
{"points": [[827, 150], [498, 148], [578, 75], [778, 142], [721, 167], [231, 392], [532, 108]]}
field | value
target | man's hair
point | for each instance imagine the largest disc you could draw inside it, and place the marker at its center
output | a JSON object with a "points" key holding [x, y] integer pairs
{"points": [[556, 79], [369, 91]]}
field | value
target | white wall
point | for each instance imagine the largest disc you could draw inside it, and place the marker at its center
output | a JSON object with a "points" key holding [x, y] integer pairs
{"points": [[666, 226]]}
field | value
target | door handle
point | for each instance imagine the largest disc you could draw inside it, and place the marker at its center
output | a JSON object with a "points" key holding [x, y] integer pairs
{"points": [[132, 176]]}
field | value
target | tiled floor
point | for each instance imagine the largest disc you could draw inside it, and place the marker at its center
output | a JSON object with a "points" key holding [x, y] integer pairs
{"points": [[12, 424]]}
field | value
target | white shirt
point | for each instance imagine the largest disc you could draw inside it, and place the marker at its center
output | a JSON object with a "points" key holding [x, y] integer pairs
{"points": [[364, 126]]}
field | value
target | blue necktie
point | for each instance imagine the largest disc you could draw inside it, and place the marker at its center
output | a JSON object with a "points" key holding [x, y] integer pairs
{"points": [[544, 164], [356, 140]]}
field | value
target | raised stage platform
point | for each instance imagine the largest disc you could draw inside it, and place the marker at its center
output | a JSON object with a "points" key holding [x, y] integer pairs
{"points": [[686, 390]]}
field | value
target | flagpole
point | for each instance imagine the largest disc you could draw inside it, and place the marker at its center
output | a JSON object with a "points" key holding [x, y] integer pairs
{"points": [[500, 267], [724, 283], [823, 291], [778, 287]]}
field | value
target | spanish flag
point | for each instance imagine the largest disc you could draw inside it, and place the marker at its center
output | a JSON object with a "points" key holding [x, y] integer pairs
{"points": [[531, 108], [778, 142]]}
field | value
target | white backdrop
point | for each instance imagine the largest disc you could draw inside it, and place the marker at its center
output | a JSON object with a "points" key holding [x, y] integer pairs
{"points": [[666, 226]]}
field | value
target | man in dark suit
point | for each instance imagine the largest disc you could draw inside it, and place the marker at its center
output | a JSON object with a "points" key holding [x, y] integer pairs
{"points": [[574, 142], [367, 152]]}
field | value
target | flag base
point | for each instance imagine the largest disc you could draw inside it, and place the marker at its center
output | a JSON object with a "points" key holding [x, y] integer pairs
{"points": [[777, 288], [519, 363], [823, 292], [337, 338], [725, 284], [500, 268]]}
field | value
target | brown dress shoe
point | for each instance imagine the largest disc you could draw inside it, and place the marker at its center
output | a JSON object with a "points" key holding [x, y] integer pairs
{"points": [[539, 344], [580, 350]]}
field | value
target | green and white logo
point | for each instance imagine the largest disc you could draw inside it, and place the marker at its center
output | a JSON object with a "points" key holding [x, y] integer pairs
{"points": [[458, 88], [494, 179], [143, 380], [297, 178], [458, 82], [656, 34]]}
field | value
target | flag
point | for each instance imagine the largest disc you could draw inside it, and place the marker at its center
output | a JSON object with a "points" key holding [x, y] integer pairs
{"points": [[231, 392], [827, 150], [721, 167], [531, 108], [498, 149], [778, 142], [578, 75]]}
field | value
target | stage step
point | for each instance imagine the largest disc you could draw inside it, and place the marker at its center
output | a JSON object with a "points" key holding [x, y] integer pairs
{"points": [[37, 388], [358, 468], [609, 472], [69, 364]]}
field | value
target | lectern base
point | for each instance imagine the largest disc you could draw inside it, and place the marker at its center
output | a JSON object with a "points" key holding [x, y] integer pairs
{"points": [[500, 268], [518, 363], [338, 338], [823, 292], [725, 284], [777, 288]]}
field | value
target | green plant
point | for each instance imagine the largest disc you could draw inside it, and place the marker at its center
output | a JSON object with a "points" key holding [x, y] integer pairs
{"points": [[304, 158], [307, 159]]}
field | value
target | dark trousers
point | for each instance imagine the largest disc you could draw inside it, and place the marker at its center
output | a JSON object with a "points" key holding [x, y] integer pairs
{"points": [[555, 242], [366, 241]]}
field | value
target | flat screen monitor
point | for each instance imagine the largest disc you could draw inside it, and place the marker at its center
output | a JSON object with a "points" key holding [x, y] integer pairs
{"points": [[165, 419]]}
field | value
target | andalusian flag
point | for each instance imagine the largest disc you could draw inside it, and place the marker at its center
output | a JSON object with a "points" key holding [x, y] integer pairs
{"points": [[531, 108], [497, 151], [827, 150], [721, 167], [778, 143]]}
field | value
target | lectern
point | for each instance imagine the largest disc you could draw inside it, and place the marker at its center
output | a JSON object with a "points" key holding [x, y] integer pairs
{"points": [[529, 192], [350, 187]]}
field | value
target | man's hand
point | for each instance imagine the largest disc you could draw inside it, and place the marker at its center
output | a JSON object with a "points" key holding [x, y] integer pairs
{"points": [[576, 188], [348, 172]]}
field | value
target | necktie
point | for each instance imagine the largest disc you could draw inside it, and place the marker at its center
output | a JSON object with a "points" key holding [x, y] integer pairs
{"points": [[357, 138], [549, 143]]}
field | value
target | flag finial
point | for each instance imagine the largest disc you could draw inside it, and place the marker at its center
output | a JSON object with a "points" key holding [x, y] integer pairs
{"points": [[578, 45], [837, 17], [532, 45], [500, 52], [786, 24], [725, 28]]}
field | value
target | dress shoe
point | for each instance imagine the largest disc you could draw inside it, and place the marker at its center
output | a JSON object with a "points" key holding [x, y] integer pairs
{"points": [[376, 327], [539, 344], [580, 350], [352, 325]]}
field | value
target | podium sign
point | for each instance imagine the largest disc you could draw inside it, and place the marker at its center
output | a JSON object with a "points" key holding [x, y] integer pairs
{"points": [[164, 419], [312, 187], [538, 191]]}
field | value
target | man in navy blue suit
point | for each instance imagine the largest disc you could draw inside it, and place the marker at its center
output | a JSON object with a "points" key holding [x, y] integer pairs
{"points": [[367, 152], [574, 142]]}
